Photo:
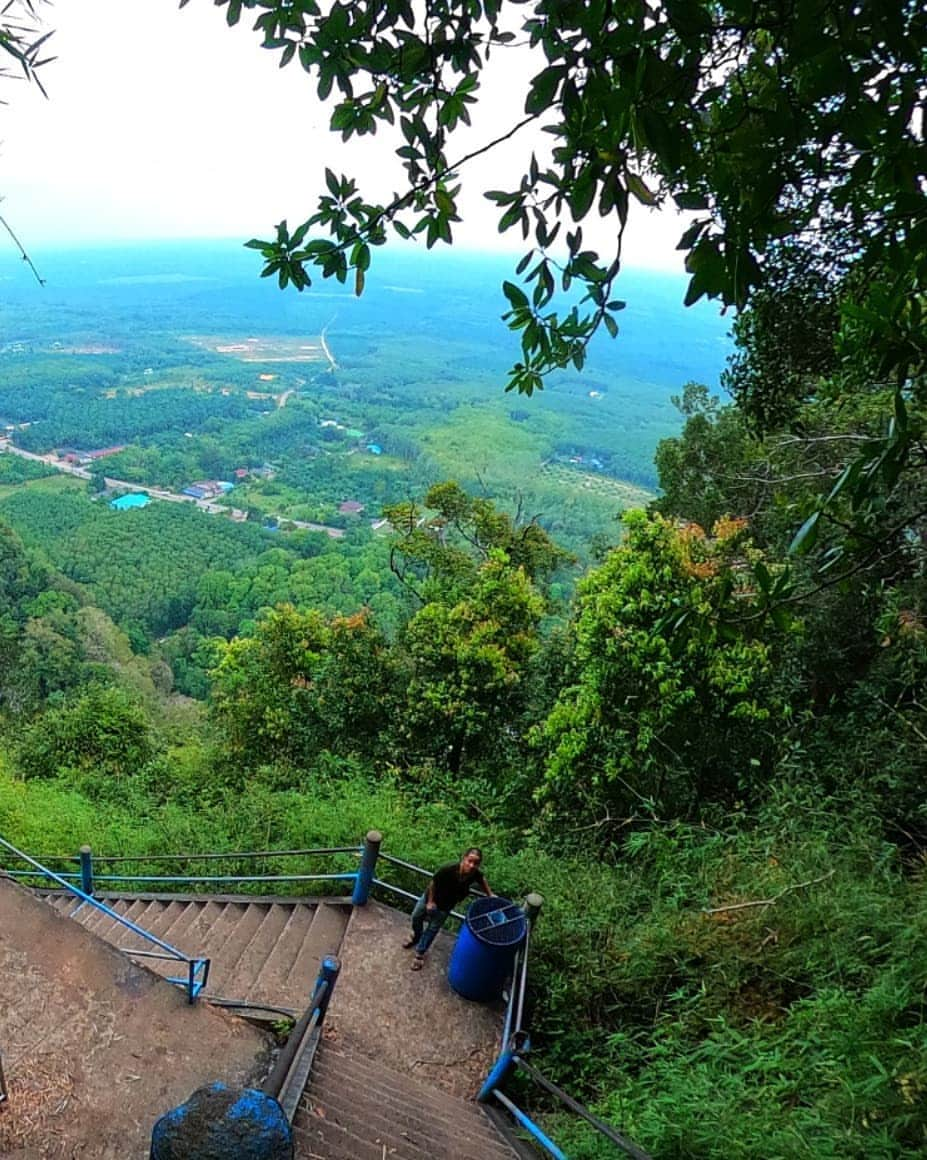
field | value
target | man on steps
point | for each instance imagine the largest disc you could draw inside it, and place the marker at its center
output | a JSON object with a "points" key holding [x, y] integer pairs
{"points": [[450, 885]]}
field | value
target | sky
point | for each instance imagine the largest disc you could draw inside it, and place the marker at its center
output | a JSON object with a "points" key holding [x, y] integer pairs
{"points": [[164, 123]]}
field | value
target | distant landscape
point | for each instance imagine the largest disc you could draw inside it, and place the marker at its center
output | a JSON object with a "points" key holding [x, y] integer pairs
{"points": [[183, 357], [173, 371], [276, 568]]}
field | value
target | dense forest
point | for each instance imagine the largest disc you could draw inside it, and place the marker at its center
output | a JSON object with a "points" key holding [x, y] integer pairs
{"points": [[698, 729]]}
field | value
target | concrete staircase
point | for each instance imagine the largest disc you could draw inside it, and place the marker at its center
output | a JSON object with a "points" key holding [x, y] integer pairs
{"points": [[261, 950], [370, 1095], [357, 1109]]}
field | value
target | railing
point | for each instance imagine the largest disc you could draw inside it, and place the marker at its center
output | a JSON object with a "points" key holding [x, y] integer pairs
{"points": [[91, 864], [291, 1071], [361, 880], [516, 1044], [197, 969], [515, 1040]]}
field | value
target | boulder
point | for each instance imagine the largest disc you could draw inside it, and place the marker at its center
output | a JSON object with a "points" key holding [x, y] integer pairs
{"points": [[219, 1122]]}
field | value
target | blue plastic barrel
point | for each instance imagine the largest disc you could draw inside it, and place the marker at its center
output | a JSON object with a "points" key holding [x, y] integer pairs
{"points": [[482, 958]]}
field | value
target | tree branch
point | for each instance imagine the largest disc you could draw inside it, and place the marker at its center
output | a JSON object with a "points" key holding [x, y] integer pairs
{"points": [[768, 901], [25, 257]]}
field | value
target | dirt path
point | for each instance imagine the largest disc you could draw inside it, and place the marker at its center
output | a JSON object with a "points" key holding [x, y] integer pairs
{"points": [[95, 1048]]}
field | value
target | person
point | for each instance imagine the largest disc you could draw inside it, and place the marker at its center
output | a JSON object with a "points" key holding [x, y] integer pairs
{"points": [[450, 885]]}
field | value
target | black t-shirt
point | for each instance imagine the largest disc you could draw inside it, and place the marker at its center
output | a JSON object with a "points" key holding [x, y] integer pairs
{"points": [[451, 887]]}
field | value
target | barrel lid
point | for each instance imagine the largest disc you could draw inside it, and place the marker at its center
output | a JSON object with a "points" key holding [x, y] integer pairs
{"points": [[496, 921]]}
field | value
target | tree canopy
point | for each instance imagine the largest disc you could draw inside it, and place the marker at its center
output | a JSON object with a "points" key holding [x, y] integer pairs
{"points": [[769, 120]]}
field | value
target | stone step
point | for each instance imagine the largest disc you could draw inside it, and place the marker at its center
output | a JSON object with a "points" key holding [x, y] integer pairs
{"points": [[356, 1107], [198, 938], [119, 935], [62, 903], [378, 1122], [240, 982], [339, 1070], [244, 919], [221, 929], [270, 983], [157, 921], [172, 921], [323, 937], [263, 951], [92, 918]]}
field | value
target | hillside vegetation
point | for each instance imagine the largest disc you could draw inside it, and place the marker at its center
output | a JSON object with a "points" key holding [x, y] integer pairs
{"points": [[707, 753]]}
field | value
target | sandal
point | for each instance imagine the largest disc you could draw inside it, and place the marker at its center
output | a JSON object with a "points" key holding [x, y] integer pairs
{"points": [[417, 963]]}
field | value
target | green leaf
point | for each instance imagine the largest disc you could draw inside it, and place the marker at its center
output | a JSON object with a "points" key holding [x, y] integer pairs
{"points": [[445, 202], [582, 194], [806, 536], [638, 187], [515, 295], [543, 87]]}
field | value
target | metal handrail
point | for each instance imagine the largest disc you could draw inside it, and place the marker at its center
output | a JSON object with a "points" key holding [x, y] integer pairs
{"points": [[406, 865], [287, 1080], [600, 1126], [515, 1044], [511, 1060], [244, 854], [515, 1007], [530, 1126], [215, 878], [197, 969]]}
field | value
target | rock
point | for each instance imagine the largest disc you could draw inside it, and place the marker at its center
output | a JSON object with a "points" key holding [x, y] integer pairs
{"points": [[219, 1122]]}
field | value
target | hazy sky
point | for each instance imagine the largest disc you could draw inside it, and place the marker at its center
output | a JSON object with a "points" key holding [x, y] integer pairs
{"points": [[163, 123]]}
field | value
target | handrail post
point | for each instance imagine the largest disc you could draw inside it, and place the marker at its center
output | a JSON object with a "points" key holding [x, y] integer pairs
{"points": [[329, 969], [365, 873], [533, 904], [497, 1074], [86, 870]]}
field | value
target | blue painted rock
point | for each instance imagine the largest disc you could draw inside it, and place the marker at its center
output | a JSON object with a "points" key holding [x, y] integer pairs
{"points": [[219, 1122]]}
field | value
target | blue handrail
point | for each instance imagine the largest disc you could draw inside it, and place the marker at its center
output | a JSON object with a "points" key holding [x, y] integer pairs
{"points": [[530, 1126], [197, 968], [515, 1046], [189, 879]]}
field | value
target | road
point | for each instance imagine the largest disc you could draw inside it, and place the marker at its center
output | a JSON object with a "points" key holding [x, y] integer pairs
{"points": [[205, 505]]}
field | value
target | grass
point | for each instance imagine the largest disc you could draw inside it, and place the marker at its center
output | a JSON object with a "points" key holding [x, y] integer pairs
{"points": [[48, 484], [792, 1030]]}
